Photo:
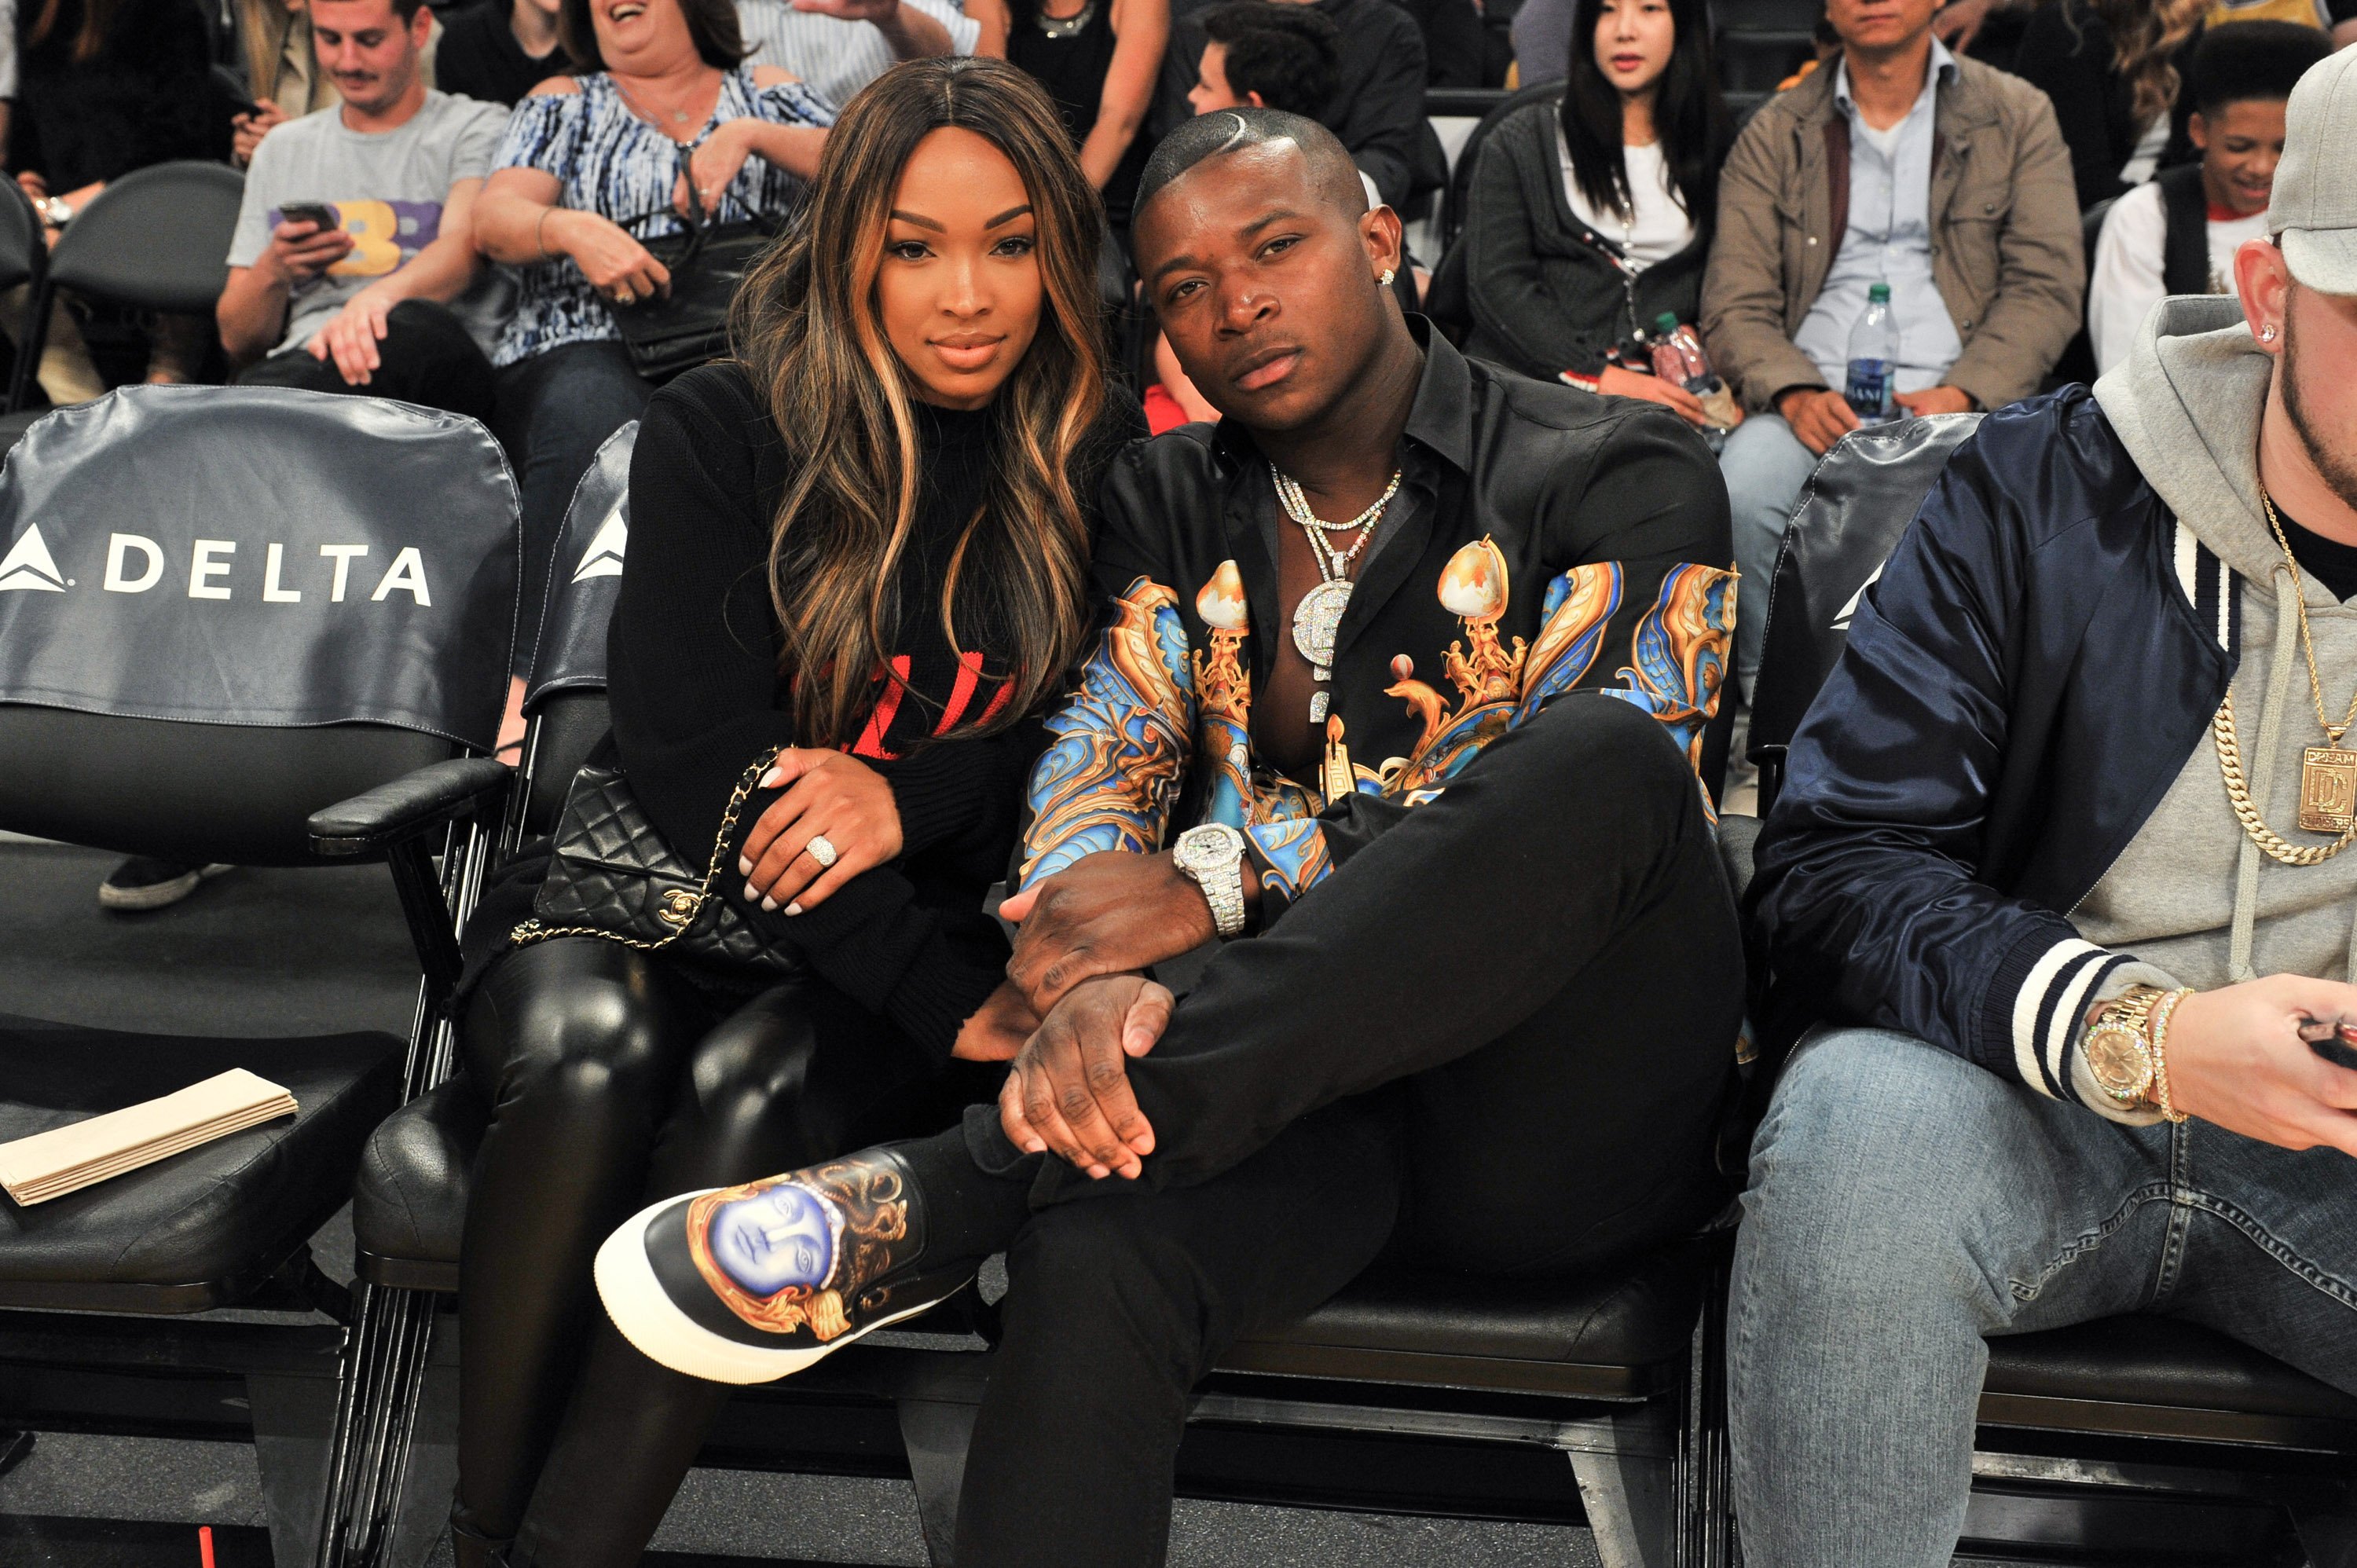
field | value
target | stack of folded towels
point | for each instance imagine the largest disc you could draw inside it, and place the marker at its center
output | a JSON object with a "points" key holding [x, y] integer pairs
{"points": [[66, 1159]]}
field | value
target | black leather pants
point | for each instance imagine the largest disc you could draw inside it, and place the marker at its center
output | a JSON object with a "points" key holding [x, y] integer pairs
{"points": [[612, 1084]]}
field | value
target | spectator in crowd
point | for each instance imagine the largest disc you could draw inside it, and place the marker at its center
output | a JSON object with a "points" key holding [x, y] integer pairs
{"points": [[282, 64], [837, 47], [1098, 60], [2001, 857], [2177, 232], [392, 300], [1562, 1106], [1832, 188], [2111, 68], [766, 497], [661, 110], [496, 53], [106, 87], [1377, 107], [1591, 219], [1455, 46], [1257, 54]]}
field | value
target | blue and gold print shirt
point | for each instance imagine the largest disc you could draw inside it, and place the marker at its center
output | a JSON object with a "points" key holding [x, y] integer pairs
{"points": [[1544, 541]]}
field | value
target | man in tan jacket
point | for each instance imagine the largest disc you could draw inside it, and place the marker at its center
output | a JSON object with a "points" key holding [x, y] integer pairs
{"points": [[1899, 165]]}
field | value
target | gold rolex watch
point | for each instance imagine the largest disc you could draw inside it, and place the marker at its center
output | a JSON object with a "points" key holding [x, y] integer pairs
{"points": [[2119, 1047]]}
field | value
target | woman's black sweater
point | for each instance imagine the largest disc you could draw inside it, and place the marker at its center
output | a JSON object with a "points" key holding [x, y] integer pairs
{"points": [[693, 669]]}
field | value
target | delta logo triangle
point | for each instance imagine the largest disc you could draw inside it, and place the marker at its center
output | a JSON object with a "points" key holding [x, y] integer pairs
{"points": [[604, 556], [1849, 611], [29, 565]]}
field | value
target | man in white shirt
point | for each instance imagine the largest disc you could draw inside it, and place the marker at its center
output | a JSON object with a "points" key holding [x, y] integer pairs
{"points": [[2178, 233], [353, 266], [838, 46]]}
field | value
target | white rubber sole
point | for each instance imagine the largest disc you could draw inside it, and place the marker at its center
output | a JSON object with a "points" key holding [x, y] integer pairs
{"points": [[647, 1316], [159, 895]]}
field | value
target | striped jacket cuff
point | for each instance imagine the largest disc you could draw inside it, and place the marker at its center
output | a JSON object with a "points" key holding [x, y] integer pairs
{"points": [[2044, 1020]]}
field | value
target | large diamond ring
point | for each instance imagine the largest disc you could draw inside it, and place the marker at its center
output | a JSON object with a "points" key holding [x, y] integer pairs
{"points": [[818, 850]]}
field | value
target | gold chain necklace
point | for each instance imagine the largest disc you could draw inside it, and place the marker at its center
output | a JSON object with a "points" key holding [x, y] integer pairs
{"points": [[2328, 774]]}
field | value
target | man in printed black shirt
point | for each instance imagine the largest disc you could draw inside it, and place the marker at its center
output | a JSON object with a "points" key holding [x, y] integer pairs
{"points": [[1463, 848]]}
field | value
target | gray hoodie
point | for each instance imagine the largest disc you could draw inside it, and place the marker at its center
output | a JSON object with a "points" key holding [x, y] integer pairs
{"points": [[2192, 897]]}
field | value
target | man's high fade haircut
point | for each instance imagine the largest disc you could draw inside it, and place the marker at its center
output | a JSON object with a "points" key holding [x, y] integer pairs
{"points": [[1223, 131], [2261, 60]]}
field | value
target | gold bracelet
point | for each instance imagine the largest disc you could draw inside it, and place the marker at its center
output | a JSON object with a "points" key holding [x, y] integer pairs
{"points": [[537, 242], [2162, 1011]]}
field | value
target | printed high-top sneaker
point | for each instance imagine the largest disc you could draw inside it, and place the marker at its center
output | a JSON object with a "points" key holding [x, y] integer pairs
{"points": [[746, 1284]]}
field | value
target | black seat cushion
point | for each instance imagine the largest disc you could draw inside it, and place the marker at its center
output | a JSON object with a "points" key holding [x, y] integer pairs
{"points": [[409, 1202], [203, 1228], [1618, 1335], [2157, 1361], [1612, 1336]]}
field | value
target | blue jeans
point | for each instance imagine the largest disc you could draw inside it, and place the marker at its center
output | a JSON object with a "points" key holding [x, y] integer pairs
{"points": [[1905, 1203], [1766, 467]]}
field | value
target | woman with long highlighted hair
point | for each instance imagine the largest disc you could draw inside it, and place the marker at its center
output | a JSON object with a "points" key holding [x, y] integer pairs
{"points": [[863, 540]]}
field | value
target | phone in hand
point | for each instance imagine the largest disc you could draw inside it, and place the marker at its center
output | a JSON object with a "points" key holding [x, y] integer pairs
{"points": [[318, 213], [2334, 1041]]}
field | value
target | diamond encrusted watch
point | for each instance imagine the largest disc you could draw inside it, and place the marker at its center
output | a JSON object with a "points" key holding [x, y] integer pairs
{"points": [[1212, 857], [2119, 1045]]}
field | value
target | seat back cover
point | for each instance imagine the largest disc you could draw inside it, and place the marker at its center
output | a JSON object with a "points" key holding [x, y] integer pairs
{"points": [[222, 609], [571, 650], [1857, 503]]}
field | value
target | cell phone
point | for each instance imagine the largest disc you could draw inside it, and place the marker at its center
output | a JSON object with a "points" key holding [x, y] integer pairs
{"points": [[316, 212]]}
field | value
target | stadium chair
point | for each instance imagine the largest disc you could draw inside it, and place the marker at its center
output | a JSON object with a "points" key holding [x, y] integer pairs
{"points": [[1603, 1371], [1762, 42], [24, 257], [314, 681], [158, 239], [2152, 1438]]}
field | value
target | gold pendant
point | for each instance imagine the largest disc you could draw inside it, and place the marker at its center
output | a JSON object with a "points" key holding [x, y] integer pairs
{"points": [[1336, 780], [2327, 789]]}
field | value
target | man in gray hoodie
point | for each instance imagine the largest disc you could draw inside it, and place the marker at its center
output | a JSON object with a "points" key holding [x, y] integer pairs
{"points": [[2054, 903]]}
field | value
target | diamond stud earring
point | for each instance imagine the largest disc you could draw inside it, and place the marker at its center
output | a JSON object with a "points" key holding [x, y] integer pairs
{"points": [[1386, 279], [2267, 333]]}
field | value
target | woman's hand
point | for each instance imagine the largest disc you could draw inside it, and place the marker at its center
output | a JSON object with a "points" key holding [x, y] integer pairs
{"points": [[713, 166], [998, 1028], [833, 796], [1619, 380], [250, 127], [616, 266]]}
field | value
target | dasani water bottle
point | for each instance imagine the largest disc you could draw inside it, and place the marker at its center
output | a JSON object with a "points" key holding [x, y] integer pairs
{"points": [[1874, 359]]}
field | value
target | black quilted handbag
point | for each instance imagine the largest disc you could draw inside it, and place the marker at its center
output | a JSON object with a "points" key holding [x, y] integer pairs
{"points": [[613, 876]]}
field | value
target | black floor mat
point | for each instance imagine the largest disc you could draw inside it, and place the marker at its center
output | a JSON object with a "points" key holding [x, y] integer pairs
{"points": [[249, 952]]}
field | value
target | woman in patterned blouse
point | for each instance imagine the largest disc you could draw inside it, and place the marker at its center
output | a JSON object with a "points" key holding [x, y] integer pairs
{"points": [[591, 167]]}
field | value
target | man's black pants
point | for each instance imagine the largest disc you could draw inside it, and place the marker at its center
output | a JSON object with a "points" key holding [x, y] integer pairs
{"points": [[427, 356], [1499, 1039]]}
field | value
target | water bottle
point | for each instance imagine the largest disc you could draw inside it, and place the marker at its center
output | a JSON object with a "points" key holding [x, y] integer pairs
{"points": [[1678, 356], [1874, 359]]}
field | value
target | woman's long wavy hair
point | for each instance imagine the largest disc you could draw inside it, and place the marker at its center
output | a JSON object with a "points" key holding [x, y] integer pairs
{"points": [[805, 327], [1689, 116], [2145, 38]]}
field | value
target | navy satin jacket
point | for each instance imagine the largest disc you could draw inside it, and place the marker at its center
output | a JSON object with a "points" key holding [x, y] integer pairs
{"points": [[2043, 652]]}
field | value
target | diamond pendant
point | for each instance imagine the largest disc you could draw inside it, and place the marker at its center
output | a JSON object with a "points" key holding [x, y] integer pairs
{"points": [[1316, 618], [2327, 789], [1318, 704]]}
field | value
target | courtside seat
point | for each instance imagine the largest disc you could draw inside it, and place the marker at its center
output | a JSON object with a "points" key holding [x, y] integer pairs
{"points": [[202, 1228], [409, 1200], [1621, 1335], [2146, 1375]]}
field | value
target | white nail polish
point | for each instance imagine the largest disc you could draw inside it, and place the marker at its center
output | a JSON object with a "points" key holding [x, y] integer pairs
{"points": [[768, 903], [751, 892], [793, 908], [743, 866], [771, 780]]}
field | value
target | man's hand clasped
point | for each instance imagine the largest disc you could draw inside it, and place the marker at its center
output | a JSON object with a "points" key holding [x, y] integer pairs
{"points": [[1083, 936]]}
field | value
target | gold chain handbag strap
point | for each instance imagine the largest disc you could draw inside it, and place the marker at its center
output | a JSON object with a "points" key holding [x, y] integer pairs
{"points": [[2246, 811], [681, 910]]}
